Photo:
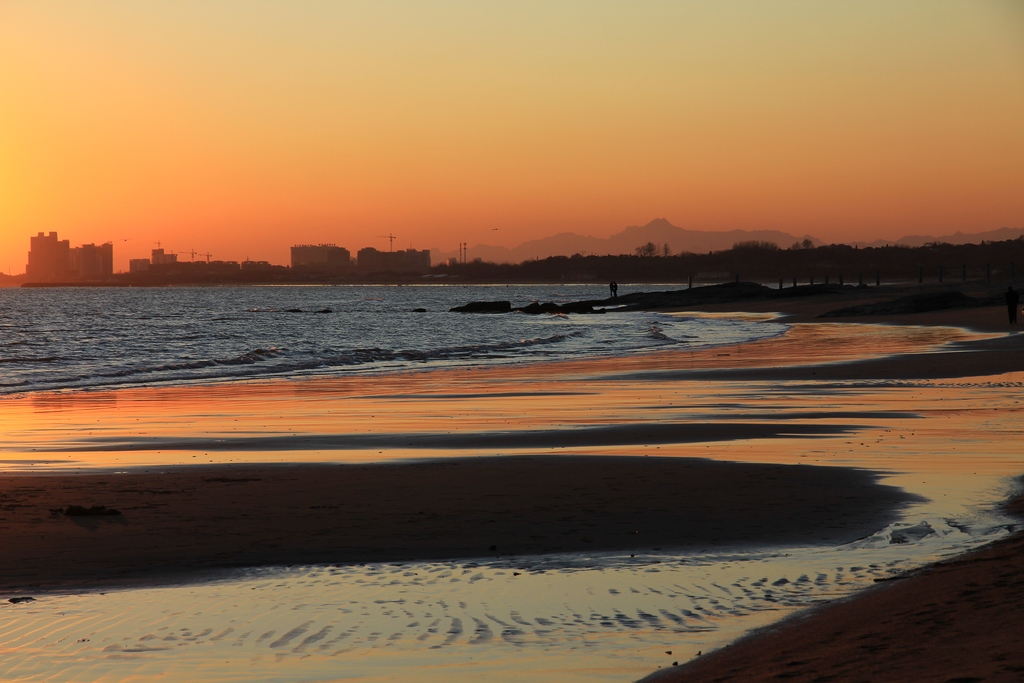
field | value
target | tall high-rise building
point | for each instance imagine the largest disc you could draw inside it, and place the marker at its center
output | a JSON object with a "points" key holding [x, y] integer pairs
{"points": [[53, 260], [160, 258], [92, 262], [49, 259]]}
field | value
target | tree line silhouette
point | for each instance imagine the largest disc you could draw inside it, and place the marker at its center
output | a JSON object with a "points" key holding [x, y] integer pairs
{"points": [[764, 262]]}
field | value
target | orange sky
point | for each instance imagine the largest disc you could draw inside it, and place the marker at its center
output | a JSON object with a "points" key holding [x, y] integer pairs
{"points": [[242, 127]]}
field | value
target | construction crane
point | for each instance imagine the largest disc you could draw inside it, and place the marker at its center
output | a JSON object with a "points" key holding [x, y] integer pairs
{"points": [[391, 240], [207, 255], [193, 253]]}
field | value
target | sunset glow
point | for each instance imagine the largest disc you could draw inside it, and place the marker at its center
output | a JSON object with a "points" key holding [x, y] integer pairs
{"points": [[241, 128]]}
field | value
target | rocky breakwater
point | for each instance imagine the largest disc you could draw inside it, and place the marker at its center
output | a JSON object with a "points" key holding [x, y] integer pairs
{"points": [[636, 301], [484, 307], [534, 308], [915, 303]]}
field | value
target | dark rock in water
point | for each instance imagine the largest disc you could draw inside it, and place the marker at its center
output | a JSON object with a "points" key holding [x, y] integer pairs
{"points": [[484, 307], [916, 303], [579, 307], [548, 307], [293, 310], [537, 308], [419, 310], [22, 599], [325, 310], [94, 511], [530, 309]]}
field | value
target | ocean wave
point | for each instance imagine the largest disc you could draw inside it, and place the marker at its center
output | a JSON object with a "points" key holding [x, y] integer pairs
{"points": [[248, 358], [280, 362], [656, 332]]}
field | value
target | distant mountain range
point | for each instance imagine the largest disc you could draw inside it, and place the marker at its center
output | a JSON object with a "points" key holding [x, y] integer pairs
{"points": [[660, 232], [958, 237]]}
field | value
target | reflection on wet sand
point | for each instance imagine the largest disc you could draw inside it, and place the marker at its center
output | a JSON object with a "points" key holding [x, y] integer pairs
{"points": [[954, 442], [483, 410], [568, 619]]}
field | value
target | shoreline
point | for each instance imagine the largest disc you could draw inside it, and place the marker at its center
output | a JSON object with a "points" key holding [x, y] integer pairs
{"points": [[188, 522], [791, 310], [955, 620], [769, 358]]}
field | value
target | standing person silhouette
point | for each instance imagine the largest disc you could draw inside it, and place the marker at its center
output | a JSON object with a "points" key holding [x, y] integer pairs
{"points": [[613, 287], [1012, 301]]}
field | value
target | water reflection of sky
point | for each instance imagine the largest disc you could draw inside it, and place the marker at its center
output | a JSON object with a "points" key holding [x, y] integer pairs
{"points": [[607, 618], [576, 618]]}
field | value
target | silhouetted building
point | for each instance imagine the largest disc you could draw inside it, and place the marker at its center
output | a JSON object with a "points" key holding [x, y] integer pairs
{"points": [[405, 261], [49, 259], [320, 257], [138, 265], [53, 260], [92, 262], [160, 258]]}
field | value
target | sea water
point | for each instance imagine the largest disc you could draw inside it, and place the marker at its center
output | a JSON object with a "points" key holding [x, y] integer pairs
{"points": [[55, 339]]}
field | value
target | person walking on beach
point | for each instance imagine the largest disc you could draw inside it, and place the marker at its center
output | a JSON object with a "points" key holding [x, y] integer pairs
{"points": [[1012, 301]]}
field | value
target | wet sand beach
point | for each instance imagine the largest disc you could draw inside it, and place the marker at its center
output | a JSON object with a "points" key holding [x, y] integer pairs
{"points": [[958, 620], [821, 436]]}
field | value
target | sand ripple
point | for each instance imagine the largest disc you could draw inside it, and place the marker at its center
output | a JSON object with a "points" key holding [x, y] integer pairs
{"points": [[546, 619]]}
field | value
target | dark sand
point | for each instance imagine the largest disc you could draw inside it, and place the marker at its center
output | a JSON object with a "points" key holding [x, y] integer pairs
{"points": [[958, 621], [190, 519], [580, 436], [959, 359]]}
